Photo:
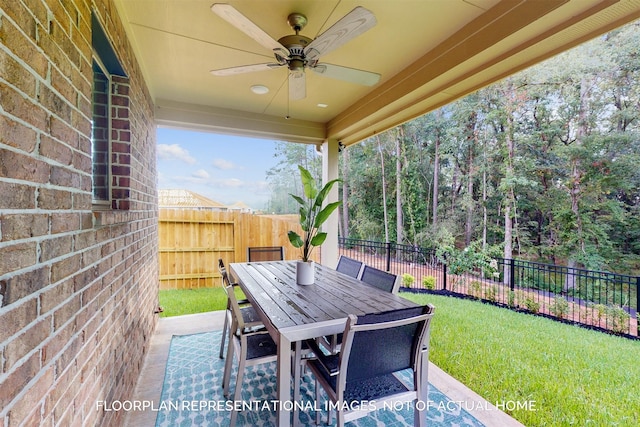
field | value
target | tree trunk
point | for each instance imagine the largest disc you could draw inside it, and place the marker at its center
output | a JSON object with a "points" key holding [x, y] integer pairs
{"points": [[575, 190], [436, 174]]}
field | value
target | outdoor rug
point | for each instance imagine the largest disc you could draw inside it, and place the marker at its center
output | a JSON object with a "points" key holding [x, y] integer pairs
{"points": [[192, 393]]}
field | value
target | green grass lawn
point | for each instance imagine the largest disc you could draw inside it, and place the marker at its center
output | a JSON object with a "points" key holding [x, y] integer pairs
{"points": [[571, 376], [177, 302]]}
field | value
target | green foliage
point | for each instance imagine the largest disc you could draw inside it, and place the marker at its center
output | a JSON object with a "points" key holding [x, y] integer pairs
{"points": [[511, 299], [312, 213], [491, 293], [618, 318], [407, 280], [429, 282], [476, 289], [559, 307], [558, 144], [531, 304]]}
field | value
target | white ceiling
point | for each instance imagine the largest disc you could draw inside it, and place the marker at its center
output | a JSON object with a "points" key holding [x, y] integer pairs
{"points": [[428, 52]]}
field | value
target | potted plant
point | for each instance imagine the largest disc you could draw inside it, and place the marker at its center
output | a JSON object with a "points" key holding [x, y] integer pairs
{"points": [[312, 215]]}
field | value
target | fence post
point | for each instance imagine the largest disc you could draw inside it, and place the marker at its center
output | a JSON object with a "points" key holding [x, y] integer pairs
{"points": [[444, 273], [388, 256], [512, 274], [637, 305]]}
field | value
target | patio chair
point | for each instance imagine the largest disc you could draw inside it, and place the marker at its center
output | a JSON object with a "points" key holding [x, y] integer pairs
{"points": [[371, 276], [375, 347], [265, 253], [251, 347], [249, 315], [380, 279], [349, 266]]}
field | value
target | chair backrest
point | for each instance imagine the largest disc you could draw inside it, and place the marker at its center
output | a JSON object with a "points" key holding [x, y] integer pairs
{"points": [[383, 343], [380, 279], [265, 253], [349, 266], [223, 271], [232, 302]]}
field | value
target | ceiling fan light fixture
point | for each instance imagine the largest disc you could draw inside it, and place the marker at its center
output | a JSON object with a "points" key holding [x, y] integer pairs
{"points": [[259, 89]]}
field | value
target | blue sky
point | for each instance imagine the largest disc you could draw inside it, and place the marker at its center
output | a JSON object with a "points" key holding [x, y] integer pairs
{"points": [[223, 168]]}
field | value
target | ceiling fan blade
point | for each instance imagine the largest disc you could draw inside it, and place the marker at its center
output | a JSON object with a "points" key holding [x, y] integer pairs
{"points": [[352, 75], [297, 85], [347, 28], [241, 22], [244, 69]]}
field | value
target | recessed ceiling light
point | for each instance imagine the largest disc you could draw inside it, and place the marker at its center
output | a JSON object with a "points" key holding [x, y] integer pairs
{"points": [[322, 105], [259, 89]]}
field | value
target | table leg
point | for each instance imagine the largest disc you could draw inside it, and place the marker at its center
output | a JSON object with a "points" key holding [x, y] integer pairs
{"points": [[284, 382]]}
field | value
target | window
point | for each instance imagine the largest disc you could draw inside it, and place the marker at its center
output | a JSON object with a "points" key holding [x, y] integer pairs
{"points": [[100, 134], [110, 133]]}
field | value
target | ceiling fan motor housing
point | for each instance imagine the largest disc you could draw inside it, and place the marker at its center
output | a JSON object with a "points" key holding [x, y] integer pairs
{"points": [[295, 43]]}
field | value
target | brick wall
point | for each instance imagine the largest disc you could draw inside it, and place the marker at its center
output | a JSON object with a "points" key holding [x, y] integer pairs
{"points": [[78, 287]]}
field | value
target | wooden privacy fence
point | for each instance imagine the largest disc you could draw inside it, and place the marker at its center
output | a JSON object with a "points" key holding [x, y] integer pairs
{"points": [[191, 241]]}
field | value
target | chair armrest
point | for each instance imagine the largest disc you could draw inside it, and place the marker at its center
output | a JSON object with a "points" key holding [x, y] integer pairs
{"points": [[330, 362]]}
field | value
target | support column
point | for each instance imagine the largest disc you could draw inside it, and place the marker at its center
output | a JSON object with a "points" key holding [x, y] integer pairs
{"points": [[330, 170]]}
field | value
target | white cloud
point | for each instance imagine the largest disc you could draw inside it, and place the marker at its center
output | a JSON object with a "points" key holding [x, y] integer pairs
{"points": [[200, 173], [173, 152], [223, 164]]}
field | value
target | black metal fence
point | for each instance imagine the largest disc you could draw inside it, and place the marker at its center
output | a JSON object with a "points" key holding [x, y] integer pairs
{"points": [[595, 299]]}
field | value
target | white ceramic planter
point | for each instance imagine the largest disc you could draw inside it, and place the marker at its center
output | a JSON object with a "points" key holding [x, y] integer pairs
{"points": [[305, 272]]}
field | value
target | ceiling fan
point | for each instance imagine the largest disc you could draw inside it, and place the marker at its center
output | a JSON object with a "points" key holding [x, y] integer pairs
{"points": [[298, 52]]}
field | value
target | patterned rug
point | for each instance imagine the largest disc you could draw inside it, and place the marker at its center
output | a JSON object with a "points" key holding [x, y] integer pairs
{"points": [[192, 393]]}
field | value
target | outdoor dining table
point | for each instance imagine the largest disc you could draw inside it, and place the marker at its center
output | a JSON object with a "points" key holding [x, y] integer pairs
{"points": [[293, 313]]}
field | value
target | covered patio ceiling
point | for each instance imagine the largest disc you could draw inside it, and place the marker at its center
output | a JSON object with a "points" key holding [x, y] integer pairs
{"points": [[427, 53]]}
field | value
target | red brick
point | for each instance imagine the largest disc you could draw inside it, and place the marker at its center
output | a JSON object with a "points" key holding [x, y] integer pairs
{"points": [[18, 378], [65, 267], [12, 72], [21, 285], [17, 135], [18, 166], [33, 393], [22, 226], [17, 318], [25, 343], [17, 196], [55, 247], [17, 105], [56, 150], [66, 312], [14, 40], [17, 256], [64, 221], [52, 199]]}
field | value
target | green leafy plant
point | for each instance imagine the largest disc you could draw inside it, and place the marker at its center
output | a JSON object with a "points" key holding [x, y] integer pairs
{"points": [[559, 307], [619, 319], [476, 289], [407, 280], [512, 299], [312, 214], [491, 293], [532, 306], [429, 282]]}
